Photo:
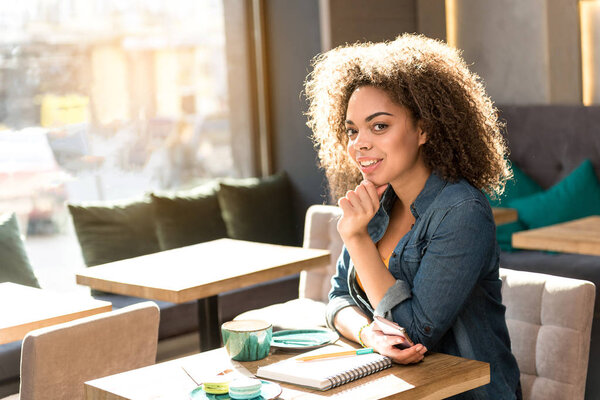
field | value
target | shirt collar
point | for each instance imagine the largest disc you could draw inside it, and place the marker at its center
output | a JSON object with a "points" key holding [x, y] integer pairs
{"points": [[433, 186]]}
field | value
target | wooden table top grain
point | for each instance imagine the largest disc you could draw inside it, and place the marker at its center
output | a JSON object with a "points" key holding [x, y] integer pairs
{"points": [[201, 270], [438, 376], [26, 308], [581, 236]]}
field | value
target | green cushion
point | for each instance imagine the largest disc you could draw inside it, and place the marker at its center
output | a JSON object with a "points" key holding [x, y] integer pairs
{"points": [[188, 217], [14, 263], [111, 231], [576, 196], [519, 186], [259, 209]]}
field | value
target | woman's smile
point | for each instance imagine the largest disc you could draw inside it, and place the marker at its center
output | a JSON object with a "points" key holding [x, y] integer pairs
{"points": [[368, 165]]}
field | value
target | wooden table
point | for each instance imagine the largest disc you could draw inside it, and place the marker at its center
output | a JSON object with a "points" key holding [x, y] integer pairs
{"points": [[580, 236], [504, 215], [200, 272], [438, 376], [26, 308]]}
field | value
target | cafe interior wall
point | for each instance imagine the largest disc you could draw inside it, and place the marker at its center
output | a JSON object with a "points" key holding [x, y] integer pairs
{"points": [[526, 52]]}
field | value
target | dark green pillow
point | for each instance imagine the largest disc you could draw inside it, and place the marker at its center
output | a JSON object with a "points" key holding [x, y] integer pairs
{"points": [[519, 186], [14, 263], [111, 231], [576, 196], [188, 217], [259, 209]]}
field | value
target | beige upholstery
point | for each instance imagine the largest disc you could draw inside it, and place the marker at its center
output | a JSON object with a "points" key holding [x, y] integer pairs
{"points": [[308, 310], [57, 360], [549, 321]]}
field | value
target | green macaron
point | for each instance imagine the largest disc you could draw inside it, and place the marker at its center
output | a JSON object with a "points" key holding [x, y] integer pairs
{"points": [[217, 385]]}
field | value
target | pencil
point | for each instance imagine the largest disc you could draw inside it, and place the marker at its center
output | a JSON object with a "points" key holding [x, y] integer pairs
{"points": [[336, 354]]}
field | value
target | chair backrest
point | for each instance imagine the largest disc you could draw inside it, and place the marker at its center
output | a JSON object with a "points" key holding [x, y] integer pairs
{"points": [[549, 320], [57, 360], [320, 232]]}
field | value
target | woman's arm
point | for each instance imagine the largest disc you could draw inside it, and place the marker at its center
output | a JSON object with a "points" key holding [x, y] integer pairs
{"points": [[358, 207]]}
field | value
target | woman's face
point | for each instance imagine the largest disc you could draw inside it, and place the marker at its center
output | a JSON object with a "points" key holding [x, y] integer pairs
{"points": [[383, 139]]}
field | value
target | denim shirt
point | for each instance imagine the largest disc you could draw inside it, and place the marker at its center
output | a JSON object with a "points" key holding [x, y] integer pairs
{"points": [[447, 293]]}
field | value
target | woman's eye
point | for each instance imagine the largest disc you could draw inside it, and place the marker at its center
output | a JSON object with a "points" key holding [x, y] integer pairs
{"points": [[351, 131], [379, 127]]}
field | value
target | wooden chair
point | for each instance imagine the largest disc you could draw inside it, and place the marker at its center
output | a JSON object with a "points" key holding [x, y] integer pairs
{"points": [[549, 320], [57, 360]]}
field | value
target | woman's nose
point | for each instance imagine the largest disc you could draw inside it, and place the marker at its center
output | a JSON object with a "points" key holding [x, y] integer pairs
{"points": [[362, 142]]}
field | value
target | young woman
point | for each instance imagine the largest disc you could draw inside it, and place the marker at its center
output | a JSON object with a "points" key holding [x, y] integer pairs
{"points": [[409, 140]]}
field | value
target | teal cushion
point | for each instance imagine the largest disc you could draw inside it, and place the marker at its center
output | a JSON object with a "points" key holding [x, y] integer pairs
{"points": [[259, 209], [575, 196], [111, 231], [14, 263], [188, 217], [519, 186]]}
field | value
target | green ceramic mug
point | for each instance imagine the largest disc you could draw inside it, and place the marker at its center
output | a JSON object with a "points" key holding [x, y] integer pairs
{"points": [[247, 340]]}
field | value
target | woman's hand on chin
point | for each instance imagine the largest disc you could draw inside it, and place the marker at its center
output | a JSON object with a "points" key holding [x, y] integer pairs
{"points": [[384, 345], [358, 207]]}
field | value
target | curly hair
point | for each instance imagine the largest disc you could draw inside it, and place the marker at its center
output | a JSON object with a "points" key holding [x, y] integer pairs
{"points": [[433, 82]]}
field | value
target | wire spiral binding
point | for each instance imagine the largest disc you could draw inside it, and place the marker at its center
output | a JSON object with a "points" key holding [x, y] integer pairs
{"points": [[357, 373]]}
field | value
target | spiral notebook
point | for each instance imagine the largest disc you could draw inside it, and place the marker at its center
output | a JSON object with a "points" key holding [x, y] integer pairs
{"points": [[327, 373]]}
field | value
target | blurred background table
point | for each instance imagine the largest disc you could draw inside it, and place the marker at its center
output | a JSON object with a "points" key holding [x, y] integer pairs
{"points": [[581, 236], [26, 308], [504, 215], [200, 272]]}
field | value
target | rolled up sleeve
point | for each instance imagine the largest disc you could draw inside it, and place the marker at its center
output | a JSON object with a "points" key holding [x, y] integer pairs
{"points": [[335, 305], [395, 295]]}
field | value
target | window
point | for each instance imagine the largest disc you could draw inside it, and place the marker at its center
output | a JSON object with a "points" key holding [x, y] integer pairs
{"points": [[108, 99]]}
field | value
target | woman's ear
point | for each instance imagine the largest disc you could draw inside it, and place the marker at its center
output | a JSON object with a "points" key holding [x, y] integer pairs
{"points": [[422, 133]]}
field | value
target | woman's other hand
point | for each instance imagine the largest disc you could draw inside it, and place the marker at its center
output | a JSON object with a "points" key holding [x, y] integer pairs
{"points": [[384, 345], [358, 207]]}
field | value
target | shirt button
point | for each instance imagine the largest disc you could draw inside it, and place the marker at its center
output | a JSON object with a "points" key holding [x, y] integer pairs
{"points": [[427, 329], [394, 254]]}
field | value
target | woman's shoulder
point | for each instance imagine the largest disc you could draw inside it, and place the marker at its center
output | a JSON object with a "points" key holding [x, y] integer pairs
{"points": [[460, 194]]}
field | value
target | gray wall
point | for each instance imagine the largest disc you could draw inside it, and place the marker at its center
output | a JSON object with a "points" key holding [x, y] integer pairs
{"points": [[293, 39], [526, 52]]}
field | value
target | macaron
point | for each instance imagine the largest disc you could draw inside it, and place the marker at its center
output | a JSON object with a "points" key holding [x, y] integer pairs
{"points": [[216, 385], [245, 388]]}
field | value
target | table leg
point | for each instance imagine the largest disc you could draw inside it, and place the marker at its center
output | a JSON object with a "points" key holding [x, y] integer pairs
{"points": [[208, 323]]}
